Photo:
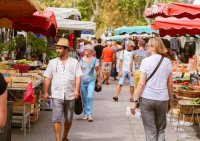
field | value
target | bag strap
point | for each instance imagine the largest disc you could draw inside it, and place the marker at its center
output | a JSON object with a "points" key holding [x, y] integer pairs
{"points": [[158, 65]]}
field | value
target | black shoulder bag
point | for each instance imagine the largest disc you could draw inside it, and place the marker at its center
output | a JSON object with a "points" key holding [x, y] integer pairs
{"points": [[161, 59]]}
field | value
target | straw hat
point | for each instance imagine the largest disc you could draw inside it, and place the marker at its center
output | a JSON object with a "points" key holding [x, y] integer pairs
{"points": [[131, 43], [63, 42]]}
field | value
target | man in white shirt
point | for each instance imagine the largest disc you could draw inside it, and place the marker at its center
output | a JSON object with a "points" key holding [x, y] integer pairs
{"points": [[64, 74], [124, 70]]}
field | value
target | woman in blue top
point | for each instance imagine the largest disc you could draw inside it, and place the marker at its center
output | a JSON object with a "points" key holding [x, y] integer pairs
{"points": [[89, 65]]}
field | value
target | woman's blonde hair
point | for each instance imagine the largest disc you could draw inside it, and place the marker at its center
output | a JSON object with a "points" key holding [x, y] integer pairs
{"points": [[157, 43]]}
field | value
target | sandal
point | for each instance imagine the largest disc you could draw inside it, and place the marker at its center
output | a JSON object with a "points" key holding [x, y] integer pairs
{"points": [[90, 119], [64, 139], [115, 98], [131, 100], [107, 83], [85, 118]]}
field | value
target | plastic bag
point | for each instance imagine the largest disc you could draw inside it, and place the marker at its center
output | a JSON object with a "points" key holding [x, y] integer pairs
{"points": [[29, 95], [136, 115]]}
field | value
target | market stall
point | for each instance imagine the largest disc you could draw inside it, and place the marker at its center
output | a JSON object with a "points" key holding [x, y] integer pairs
{"points": [[181, 20], [173, 26], [17, 72], [122, 37], [178, 10], [66, 24], [134, 29], [65, 13], [44, 23], [13, 8]]}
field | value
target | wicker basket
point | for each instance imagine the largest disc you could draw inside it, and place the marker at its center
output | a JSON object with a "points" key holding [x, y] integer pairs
{"points": [[189, 93]]}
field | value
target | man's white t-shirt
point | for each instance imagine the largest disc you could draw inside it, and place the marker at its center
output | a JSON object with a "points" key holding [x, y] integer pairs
{"points": [[126, 57], [63, 77], [156, 87]]}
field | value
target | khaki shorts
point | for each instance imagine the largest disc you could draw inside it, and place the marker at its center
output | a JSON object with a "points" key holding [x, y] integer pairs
{"points": [[136, 78], [62, 108], [106, 66]]}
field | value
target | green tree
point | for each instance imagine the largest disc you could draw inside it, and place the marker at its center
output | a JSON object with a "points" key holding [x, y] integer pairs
{"points": [[107, 13]]}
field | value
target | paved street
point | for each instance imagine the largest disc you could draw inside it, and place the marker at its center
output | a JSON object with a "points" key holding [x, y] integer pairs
{"points": [[110, 122]]}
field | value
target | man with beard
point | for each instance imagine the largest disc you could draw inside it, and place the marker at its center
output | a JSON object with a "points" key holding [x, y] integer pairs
{"points": [[64, 74]]}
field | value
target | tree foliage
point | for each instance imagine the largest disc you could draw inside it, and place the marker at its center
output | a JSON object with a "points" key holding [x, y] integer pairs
{"points": [[109, 13]]}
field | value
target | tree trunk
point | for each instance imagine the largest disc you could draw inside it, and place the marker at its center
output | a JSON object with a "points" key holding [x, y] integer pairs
{"points": [[96, 10], [146, 6]]}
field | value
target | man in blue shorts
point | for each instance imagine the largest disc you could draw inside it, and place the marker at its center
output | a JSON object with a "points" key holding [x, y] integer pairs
{"points": [[124, 70]]}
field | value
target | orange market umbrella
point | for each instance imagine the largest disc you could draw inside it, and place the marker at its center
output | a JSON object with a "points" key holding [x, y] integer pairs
{"points": [[44, 23], [16, 8]]}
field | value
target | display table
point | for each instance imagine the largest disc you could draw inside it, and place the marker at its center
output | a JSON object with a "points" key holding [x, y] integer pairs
{"points": [[190, 113], [25, 113]]}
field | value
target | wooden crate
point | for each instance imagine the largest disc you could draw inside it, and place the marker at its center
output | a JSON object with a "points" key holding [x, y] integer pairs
{"points": [[10, 71], [185, 109], [9, 81], [34, 118], [189, 93], [20, 82], [188, 118]]}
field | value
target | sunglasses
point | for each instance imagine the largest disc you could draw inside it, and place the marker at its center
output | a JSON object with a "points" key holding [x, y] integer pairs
{"points": [[149, 45]]}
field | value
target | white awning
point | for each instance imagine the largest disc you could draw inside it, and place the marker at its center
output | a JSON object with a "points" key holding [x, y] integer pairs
{"points": [[65, 24], [64, 13]]}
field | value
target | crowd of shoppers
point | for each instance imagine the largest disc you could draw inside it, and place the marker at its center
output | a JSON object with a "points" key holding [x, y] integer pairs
{"points": [[148, 71]]}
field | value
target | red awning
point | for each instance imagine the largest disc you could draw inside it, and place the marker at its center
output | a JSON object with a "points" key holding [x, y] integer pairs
{"points": [[16, 8], [44, 23], [173, 26], [178, 10]]}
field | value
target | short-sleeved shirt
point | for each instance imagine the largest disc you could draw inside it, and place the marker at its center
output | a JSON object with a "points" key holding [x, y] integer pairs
{"points": [[138, 55], [126, 57], [63, 77], [3, 84], [156, 87], [88, 69], [108, 53]]}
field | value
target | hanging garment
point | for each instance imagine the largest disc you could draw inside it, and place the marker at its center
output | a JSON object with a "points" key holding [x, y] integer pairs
{"points": [[71, 40], [182, 41], [197, 51], [192, 48], [175, 45]]}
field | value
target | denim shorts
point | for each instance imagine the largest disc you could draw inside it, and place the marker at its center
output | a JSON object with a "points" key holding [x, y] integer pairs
{"points": [[62, 108], [126, 74]]}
